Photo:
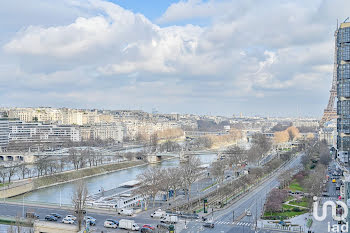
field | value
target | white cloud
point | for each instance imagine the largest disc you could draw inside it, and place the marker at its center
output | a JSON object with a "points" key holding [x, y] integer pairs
{"points": [[249, 49]]}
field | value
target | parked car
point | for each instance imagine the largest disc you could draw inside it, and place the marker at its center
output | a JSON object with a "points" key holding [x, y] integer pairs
{"points": [[113, 221], [208, 224], [56, 215], [148, 226], [68, 221], [32, 215], [50, 218], [71, 217], [109, 224]]}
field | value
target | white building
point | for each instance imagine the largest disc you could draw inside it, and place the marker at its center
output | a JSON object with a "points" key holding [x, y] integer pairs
{"points": [[23, 131], [4, 133]]}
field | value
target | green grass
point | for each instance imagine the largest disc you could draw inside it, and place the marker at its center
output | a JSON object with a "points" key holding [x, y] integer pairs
{"points": [[286, 214], [2, 185], [295, 186], [287, 207], [208, 187], [302, 203]]}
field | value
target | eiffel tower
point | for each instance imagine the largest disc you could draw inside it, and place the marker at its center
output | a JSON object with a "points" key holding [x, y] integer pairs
{"points": [[331, 111]]}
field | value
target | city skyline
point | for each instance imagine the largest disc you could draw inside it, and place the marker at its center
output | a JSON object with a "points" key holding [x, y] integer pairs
{"points": [[203, 57]]}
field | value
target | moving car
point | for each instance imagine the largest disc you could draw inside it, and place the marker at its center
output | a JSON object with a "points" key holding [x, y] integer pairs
{"points": [[71, 217], [50, 218], [113, 221], [68, 221], [109, 224], [208, 224], [56, 215], [248, 213]]}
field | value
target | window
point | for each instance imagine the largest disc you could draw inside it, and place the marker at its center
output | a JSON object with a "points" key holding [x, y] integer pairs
{"points": [[343, 71]]}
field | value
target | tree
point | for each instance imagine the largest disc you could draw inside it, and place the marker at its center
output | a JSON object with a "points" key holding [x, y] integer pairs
{"points": [[79, 201], [218, 170], [293, 132], [281, 137], [189, 172], [23, 169], [150, 182], [3, 173], [74, 158], [153, 142], [235, 155], [11, 172]]}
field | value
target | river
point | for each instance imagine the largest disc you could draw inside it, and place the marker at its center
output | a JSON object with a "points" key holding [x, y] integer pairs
{"points": [[63, 193]]}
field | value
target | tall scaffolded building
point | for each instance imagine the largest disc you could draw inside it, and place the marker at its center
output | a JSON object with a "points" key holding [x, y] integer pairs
{"points": [[343, 90]]}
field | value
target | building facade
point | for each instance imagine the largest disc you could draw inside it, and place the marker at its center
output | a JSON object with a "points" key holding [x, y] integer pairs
{"points": [[31, 132], [342, 57], [4, 133]]}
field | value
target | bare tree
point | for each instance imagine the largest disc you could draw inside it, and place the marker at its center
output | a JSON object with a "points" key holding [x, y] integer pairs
{"points": [[189, 173], [79, 201], [11, 172], [23, 169], [73, 157], [218, 170], [150, 184], [3, 173]]}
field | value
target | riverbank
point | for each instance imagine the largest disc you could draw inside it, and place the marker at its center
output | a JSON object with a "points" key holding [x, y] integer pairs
{"points": [[71, 176]]}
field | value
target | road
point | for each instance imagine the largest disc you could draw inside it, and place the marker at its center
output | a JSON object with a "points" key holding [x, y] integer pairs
{"points": [[333, 196], [223, 220], [254, 201]]}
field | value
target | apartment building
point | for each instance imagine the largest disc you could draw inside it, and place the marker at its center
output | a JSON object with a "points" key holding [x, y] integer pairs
{"points": [[4, 133], [103, 131], [32, 131]]}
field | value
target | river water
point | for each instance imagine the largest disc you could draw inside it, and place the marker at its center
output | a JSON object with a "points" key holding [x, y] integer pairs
{"points": [[63, 193]]}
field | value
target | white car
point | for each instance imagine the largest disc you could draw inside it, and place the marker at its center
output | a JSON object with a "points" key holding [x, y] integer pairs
{"points": [[68, 221], [248, 213], [109, 224], [71, 217]]}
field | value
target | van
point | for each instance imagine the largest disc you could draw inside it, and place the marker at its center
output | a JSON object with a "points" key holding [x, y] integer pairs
{"points": [[126, 212], [158, 214], [169, 219], [128, 225]]}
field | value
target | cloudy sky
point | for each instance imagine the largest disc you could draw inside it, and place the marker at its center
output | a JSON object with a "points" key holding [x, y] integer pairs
{"points": [[219, 57]]}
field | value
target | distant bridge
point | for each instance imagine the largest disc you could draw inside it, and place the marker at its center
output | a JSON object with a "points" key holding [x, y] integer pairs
{"points": [[196, 134]]}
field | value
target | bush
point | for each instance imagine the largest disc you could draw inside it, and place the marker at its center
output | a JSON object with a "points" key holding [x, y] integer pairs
{"points": [[296, 209]]}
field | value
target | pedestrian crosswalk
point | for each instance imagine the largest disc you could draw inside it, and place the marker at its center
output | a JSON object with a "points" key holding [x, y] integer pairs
{"points": [[234, 223]]}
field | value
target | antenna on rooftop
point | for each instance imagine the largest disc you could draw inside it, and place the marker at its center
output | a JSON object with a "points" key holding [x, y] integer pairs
{"points": [[346, 19], [337, 24]]}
